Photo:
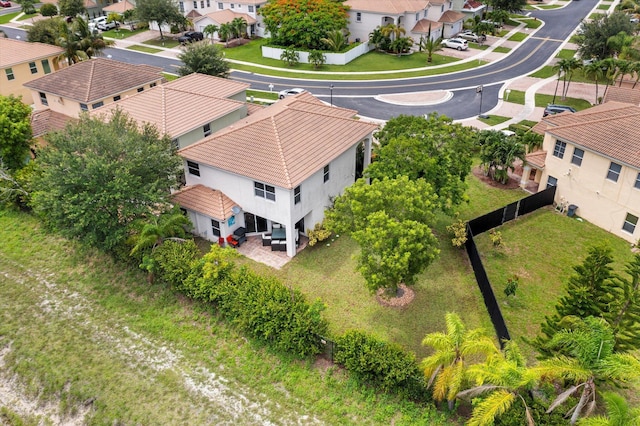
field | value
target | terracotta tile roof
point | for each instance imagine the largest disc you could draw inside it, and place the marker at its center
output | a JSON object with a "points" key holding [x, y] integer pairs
{"points": [[422, 26], [44, 121], [610, 129], [539, 127], [209, 85], [202, 199], [18, 52], [451, 16], [178, 110], [392, 7], [225, 16], [253, 108], [536, 159], [194, 14], [284, 143], [119, 7], [623, 94], [95, 79], [472, 4]]}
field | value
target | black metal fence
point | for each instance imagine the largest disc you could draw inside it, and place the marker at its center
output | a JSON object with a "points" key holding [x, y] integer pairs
{"points": [[489, 221]]}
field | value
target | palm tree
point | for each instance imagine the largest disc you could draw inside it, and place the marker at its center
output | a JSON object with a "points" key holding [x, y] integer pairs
{"points": [[68, 41], [505, 376], [335, 40], [636, 71], [401, 44], [618, 413], [609, 67], [379, 40], [210, 30], [445, 367], [225, 32], [317, 58], [154, 231], [91, 43], [570, 65], [623, 68], [594, 72], [586, 358], [238, 27], [430, 45], [392, 31]]}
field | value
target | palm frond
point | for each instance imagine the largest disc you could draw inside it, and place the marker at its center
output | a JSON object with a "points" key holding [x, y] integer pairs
{"points": [[476, 391], [493, 406], [560, 399]]}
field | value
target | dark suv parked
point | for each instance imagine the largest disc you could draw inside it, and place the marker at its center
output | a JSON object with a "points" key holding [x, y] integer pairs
{"points": [[555, 109], [190, 36]]}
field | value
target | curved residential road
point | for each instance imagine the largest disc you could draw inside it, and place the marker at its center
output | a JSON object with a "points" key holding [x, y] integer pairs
{"points": [[530, 55]]}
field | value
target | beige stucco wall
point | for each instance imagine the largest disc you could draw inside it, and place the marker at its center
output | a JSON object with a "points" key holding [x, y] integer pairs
{"points": [[22, 74], [198, 133], [600, 201], [71, 107]]}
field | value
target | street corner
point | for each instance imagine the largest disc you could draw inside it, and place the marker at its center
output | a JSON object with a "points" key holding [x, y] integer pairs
{"points": [[416, 98]]}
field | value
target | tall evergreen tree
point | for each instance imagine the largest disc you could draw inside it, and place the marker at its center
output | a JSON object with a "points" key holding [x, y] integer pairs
{"points": [[625, 318], [589, 293]]}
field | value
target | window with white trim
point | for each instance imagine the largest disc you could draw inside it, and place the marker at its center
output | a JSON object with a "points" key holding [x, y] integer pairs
{"points": [[43, 98], [578, 155], [358, 17], [194, 168], [250, 8], [296, 195], [558, 150], [45, 66], [153, 84], [33, 67], [637, 184], [116, 98], [614, 171], [97, 105], [208, 3], [9, 72], [552, 181], [206, 129], [195, 4], [233, 6], [326, 173], [181, 6], [215, 227], [630, 223], [140, 89], [84, 107], [202, 4], [265, 191], [220, 6]]}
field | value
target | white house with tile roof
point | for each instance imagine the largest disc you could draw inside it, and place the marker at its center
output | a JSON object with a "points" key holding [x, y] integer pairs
{"points": [[187, 109], [221, 17], [415, 16], [280, 165], [593, 157], [21, 62], [249, 8], [88, 85]]}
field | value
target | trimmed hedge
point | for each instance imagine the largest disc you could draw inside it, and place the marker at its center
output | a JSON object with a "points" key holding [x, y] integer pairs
{"points": [[174, 260]]}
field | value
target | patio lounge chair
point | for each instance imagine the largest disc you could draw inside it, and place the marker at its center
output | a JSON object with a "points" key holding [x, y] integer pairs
{"points": [[266, 239], [233, 243]]}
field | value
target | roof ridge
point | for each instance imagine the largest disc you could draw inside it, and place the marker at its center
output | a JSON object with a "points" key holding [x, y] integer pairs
{"points": [[280, 151], [90, 85], [163, 106], [599, 120]]}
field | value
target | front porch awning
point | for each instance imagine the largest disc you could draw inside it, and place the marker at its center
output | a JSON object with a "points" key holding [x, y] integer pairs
{"points": [[207, 201], [536, 159]]}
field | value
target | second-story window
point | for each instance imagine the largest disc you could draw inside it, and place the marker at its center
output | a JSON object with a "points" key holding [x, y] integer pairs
{"points": [[84, 107], [326, 173], [116, 98], [43, 98], [45, 66], [9, 72], [220, 6], [558, 150], [358, 17], [250, 8], [140, 89], [202, 4], [207, 129], [578, 154], [614, 171], [637, 184], [265, 191], [195, 4], [33, 68], [296, 195], [97, 105], [215, 227], [233, 6], [194, 168], [551, 181], [181, 6]]}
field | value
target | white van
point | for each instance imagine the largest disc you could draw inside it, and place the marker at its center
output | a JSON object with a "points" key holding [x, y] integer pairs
{"points": [[95, 22]]}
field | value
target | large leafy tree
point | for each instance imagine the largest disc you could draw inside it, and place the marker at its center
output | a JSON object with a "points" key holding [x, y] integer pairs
{"points": [[504, 378], [71, 7], [445, 368], [586, 358], [499, 153], [303, 23], [96, 178], [203, 58], [625, 315], [594, 37], [163, 12], [15, 132], [432, 148], [391, 220], [508, 5], [45, 31]]}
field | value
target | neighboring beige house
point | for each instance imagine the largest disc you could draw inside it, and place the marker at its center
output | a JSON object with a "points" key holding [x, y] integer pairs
{"points": [[469, 8], [281, 166], [223, 17], [623, 94], [21, 62], [593, 157], [197, 8], [415, 16], [91, 84], [187, 109]]}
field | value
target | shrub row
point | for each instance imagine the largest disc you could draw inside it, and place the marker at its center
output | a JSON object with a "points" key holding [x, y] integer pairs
{"points": [[261, 307]]}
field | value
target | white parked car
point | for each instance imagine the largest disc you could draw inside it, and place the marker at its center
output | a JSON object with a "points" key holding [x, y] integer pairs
{"points": [[456, 43], [290, 92]]}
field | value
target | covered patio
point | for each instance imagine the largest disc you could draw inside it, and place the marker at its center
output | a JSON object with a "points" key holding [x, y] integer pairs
{"points": [[254, 250]]}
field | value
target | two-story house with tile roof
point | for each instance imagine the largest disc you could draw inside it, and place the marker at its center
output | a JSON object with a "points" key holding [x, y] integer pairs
{"points": [[248, 9], [593, 157], [222, 17], [21, 62], [280, 165], [415, 16], [187, 109], [91, 84]]}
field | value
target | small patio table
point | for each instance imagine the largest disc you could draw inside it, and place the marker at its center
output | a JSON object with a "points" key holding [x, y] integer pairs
{"points": [[279, 234]]}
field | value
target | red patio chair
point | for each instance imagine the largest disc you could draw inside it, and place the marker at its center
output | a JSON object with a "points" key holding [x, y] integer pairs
{"points": [[233, 243]]}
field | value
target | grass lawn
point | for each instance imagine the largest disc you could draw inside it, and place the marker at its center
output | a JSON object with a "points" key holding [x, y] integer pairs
{"points": [[550, 6], [122, 33], [170, 77], [544, 72], [494, 119], [146, 49], [596, 15], [262, 94], [566, 54], [518, 37], [532, 23], [603, 6], [8, 17], [168, 43], [28, 15], [502, 49], [517, 97], [83, 334]]}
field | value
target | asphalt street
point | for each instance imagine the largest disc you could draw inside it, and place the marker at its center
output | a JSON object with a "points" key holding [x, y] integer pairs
{"points": [[466, 102]]}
